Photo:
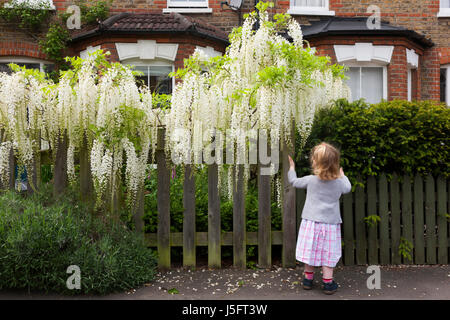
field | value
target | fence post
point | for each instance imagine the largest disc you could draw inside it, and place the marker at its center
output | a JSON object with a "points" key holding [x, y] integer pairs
{"points": [[163, 203], [214, 227], [264, 220], [419, 223], [430, 219], [360, 225], [348, 230], [60, 170], [189, 217], [288, 213], [442, 221], [372, 210], [384, 220], [395, 220], [239, 227], [86, 185]]}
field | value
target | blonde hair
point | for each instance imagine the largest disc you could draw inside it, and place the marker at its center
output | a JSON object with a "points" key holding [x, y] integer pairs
{"points": [[325, 161]]}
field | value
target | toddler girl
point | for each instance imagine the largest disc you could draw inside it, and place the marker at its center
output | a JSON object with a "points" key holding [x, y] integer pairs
{"points": [[319, 238]]}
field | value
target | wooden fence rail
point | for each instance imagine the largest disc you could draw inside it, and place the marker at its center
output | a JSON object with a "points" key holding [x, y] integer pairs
{"points": [[413, 225]]}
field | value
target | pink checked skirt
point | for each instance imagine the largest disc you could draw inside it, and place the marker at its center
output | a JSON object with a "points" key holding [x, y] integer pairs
{"points": [[319, 244]]}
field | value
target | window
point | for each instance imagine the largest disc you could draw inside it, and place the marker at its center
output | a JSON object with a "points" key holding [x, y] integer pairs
{"points": [[444, 10], [445, 85], [367, 82], [29, 63], [310, 7], [155, 75], [188, 6]]}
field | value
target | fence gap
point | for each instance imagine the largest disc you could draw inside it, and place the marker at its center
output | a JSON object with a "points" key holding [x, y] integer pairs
{"points": [[407, 231], [288, 208]]}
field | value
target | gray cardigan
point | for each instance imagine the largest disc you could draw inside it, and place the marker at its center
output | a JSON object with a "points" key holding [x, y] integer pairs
{"points": [[322, 196]]}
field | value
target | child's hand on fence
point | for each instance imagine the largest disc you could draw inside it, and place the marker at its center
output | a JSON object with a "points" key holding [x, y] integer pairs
{"points": [[291, 163]]}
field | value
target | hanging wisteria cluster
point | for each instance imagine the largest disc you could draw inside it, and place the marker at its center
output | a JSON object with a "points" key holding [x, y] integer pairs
{"points": [[96, 106], [268, 79]]}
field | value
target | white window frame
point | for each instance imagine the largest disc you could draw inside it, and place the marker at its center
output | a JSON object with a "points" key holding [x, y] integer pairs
{"points": [[447, 85], [188, 6], [150, 63], [16, 60], [443, 11], [355, 64], [310, 11], [412, 60]]}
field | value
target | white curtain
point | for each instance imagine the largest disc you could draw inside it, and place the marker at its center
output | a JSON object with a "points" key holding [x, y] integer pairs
{"points": [[445, 3], [366, 83], [310, 3]]}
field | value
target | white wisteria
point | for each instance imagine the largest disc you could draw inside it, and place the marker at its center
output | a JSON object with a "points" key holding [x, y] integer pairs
{"points": [[268, 79], [96, 106]]}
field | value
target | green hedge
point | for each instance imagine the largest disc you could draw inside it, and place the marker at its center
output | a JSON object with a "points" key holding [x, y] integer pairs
{"points": [[41, 237], [396, 136]]}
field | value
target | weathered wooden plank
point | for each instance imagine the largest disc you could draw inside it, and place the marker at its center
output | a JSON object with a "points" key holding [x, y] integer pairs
{"points": [[86, 184], [264, 220], [138, 211], [419, 221], [349, 245], [300, 202], [360, 226], [384, 220], [214, 227], [288, 209], [373, 229], [395, 220], [407, 217], [60, 180], [189, 252], [430, 220], [239, 226], [442, 221], [201, 239], [163, 204]]}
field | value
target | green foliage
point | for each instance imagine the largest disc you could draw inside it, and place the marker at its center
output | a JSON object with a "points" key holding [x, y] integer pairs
{"points": [[55, 42], [27, 15], [405, 249], [94, 11], [40, 237], [397, 136], [201, 209], [372, 220]]}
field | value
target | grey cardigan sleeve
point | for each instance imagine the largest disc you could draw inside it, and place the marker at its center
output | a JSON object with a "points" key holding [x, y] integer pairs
{"points": [[297, 182], [346, 185]]}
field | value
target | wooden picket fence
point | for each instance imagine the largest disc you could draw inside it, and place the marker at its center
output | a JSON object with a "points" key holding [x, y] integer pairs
{"points": [[411, 225]]}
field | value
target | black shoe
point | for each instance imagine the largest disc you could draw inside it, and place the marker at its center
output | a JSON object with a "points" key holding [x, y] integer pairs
{"points": [[307, 284], [330, 287]]}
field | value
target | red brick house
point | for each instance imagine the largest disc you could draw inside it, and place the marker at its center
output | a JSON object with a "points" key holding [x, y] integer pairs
{"points": [[405, 56]]}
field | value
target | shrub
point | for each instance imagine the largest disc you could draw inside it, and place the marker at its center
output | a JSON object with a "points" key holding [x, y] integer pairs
{"points": [[41, 237], [396, 136]]}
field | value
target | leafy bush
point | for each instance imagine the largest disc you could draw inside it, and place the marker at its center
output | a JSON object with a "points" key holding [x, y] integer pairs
{"points": [[396, 136], [41, 237], [201, 206]]}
